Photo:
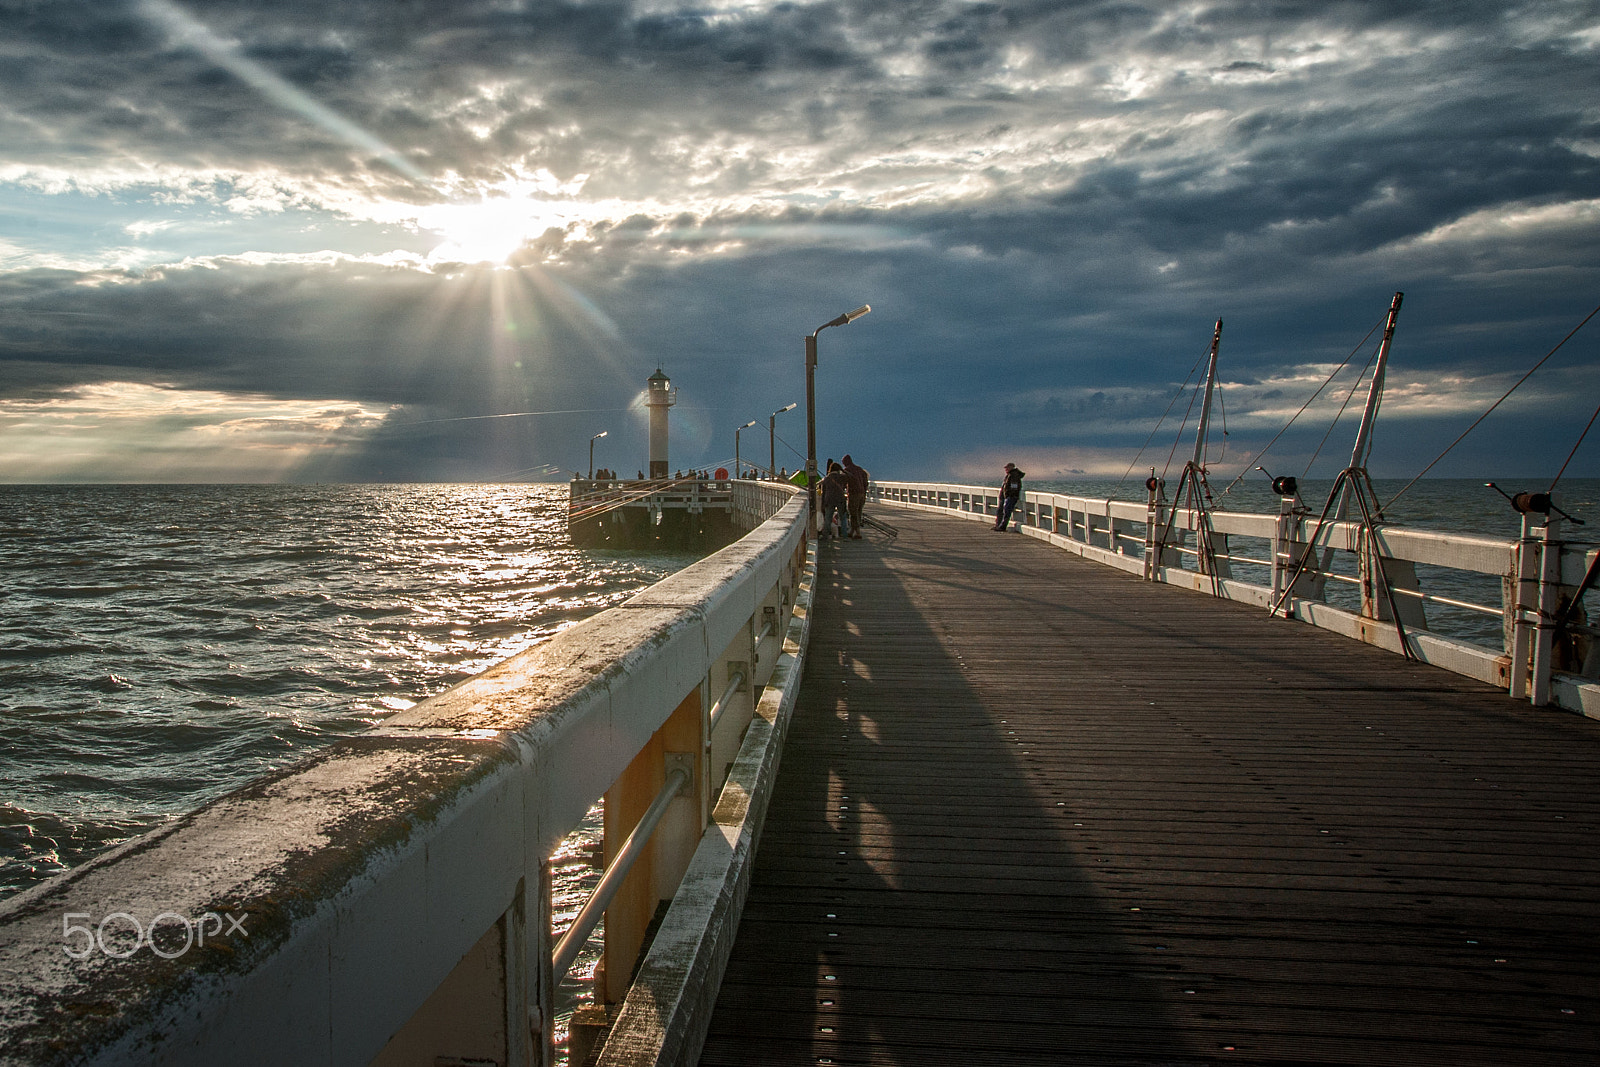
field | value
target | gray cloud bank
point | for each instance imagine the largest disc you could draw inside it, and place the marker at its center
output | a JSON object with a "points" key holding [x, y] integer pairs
{"points": [[1044, 202]]}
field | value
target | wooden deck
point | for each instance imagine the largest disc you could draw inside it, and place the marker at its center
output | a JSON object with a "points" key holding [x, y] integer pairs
{"points": [[1035, 811]]}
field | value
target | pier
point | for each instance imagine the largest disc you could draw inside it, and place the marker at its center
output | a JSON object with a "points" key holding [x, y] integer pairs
{"points": [[1129, 785], [1034, 810]]}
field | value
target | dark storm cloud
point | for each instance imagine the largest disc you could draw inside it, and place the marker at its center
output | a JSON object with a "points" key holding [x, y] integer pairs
{"points": [[371, 332], [1045, 202], [433, 79]]}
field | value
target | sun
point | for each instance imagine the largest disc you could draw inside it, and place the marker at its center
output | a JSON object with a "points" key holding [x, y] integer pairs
{"points": [[489, 230]]}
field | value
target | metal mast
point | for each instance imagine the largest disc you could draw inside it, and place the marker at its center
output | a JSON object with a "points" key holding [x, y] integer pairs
{"points": [[1358, 455], [1205, 406], [1369, 415]]}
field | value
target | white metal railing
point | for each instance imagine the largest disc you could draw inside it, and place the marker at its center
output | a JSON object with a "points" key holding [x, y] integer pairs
{"points": [[1300, 561], [388, 899]]}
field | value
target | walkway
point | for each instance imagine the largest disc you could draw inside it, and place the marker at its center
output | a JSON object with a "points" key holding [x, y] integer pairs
{"points": [[1035, 811]]}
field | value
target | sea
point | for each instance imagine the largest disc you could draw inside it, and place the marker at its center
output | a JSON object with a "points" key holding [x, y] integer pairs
{"points": [[161, 645]]}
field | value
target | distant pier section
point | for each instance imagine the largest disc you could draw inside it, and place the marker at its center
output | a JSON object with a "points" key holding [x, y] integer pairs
{"points": [[697, 510], [684, 512]]}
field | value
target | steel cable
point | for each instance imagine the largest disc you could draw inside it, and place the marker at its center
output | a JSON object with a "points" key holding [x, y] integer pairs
{"points": [[1256, 458], [1496, 404], [1157, 428], [1575, 448], [1342, 407]]}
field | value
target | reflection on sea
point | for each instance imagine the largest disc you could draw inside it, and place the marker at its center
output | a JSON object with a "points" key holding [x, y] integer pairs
{"points": [[161, 645]]}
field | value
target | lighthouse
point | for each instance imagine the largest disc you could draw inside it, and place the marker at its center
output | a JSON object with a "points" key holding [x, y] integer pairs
{"points": [[661, 396]]}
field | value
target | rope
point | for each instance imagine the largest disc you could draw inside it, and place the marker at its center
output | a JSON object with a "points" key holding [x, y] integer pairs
{"points": [[1496, 404]]}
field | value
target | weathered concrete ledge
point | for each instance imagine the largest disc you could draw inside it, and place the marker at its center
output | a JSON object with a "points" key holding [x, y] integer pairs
{"points": [[668, 1011], [345, 889], [302, 861]]}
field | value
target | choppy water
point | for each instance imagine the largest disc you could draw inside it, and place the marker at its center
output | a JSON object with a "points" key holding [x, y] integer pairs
{"points": [[161, 645]]}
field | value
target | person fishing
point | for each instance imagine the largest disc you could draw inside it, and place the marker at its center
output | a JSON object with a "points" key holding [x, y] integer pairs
{"points": [[835, 488], [857, 480], [1010, 493]]}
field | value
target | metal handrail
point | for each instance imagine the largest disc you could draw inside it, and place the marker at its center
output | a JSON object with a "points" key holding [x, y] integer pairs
{"points": [[1531, 569], [721, 705], [566, 950], [1245, 559], [1435, 599]]}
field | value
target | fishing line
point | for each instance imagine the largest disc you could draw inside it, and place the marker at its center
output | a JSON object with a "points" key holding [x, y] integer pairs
{"points": [[1178, 439], [1157, 427], [1575, 448], [1347, 398], [1342, 365], [1496, 404], [543, 468], [1223, 408], [791, 448], [514, 415]]}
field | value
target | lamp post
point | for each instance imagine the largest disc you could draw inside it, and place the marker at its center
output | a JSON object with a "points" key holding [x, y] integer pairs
{"points": [[811, 409], [736, 433], [772, 436], [592, 440]]}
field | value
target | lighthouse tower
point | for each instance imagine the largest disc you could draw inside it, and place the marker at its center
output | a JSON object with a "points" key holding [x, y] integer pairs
{"points": [[661, 397]]}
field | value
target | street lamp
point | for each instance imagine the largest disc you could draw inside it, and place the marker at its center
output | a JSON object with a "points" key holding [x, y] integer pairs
{"points": [[736, 433], [592, 440], [772, 450], [811, 408]]}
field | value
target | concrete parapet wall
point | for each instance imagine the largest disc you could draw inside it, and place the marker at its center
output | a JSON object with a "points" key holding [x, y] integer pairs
{"points": [[401, 868], [665, 1017]]}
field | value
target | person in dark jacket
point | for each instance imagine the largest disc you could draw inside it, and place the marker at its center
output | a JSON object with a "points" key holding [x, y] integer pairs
{"points": [[835, 489], [1010, 493], [855, 492]]}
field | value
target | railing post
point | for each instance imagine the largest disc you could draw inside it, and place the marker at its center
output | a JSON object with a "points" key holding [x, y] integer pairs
{"points": [[664, 860], [1280, 546], [1524, 594], [1548, 602], [1154, 529], [1377, 571], [1369, 567]]}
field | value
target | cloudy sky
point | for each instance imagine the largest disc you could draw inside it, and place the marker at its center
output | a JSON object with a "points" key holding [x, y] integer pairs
{"points": [[250, 240]]}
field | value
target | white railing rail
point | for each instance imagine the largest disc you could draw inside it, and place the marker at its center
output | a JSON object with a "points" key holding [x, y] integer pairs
{"points": [[1538, 574], [388, 900]]}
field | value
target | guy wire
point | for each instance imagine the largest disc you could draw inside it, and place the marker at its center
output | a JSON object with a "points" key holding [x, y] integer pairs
{"points": [[1496, 404]]}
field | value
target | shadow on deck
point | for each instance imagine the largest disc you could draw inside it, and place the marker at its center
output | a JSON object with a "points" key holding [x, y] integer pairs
{"points": [[1033, 810]]}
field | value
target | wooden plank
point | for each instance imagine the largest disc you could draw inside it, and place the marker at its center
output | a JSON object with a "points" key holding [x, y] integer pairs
{"points": [[1033, 810]]}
